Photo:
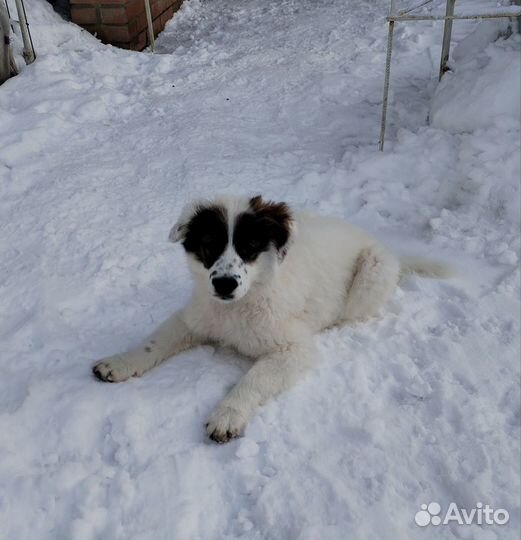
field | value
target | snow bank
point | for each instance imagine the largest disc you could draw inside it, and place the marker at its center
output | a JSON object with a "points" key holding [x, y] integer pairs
{"points": [[484, 84], [49, 32]]}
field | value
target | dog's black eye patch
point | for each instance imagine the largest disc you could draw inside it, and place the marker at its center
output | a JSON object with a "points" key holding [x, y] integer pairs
{"points": [[251, 237], [206, 234], [266, 224]]}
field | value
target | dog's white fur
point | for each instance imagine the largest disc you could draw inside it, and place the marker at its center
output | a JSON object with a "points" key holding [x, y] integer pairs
{"points": [[332, 273]]}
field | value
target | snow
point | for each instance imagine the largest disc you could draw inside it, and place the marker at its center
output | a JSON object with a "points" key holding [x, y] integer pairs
{"points": [[484, 84], [99, 150]]}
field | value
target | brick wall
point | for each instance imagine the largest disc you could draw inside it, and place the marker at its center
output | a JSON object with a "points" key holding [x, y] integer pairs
{"points": [[122, 22]]}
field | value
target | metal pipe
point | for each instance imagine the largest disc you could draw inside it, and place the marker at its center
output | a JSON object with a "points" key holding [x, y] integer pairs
{"points": [[28, 51], [517, 3], [505, 15], [447, 33], [386, 84], [150, 25]]}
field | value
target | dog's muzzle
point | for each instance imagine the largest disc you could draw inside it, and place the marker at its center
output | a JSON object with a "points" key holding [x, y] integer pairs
{"points": [[224, 287]]}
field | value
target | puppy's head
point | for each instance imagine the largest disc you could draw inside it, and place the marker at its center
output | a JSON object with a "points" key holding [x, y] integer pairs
{"points": [[234, 243]]}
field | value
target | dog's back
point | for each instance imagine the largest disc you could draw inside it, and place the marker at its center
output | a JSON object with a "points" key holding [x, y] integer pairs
{"points": [[318, 270]]}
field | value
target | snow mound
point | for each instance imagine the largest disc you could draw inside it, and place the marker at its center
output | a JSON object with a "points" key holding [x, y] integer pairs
{"points": [[484, 84], [49, 32]]}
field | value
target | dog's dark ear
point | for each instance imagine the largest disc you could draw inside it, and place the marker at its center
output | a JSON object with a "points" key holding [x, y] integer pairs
{"points": [[279, 221], [178, 231]]}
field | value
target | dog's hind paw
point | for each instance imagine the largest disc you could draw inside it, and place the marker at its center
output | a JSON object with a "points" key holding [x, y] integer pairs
{"points": [[225, 423]]}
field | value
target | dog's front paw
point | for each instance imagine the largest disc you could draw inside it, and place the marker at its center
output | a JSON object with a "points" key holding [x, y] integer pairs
{"points": [[113, 369], [225, 423]]}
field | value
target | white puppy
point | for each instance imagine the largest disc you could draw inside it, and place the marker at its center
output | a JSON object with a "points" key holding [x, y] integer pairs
{"points": [[266, 280]]}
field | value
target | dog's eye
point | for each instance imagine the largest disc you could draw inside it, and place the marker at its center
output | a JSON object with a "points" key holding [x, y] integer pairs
{"points": [[207, 239], [251, 247]]}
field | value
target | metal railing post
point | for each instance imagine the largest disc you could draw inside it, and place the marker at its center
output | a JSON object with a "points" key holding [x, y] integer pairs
{"points": [[150, 25], [447, 33], [386, 83], [28, 51]]}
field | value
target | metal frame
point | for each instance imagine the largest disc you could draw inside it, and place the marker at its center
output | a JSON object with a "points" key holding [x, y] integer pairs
{"points": [[28, 51], [150, 26], [449, 17]]}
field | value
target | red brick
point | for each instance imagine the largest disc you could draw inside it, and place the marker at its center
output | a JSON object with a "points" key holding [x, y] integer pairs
{"points": [[116, 33], [141, 21], [141, 42], [122, 44], [134, 8], [113, 15], [122, 22], [84, 15], [176, 4], [92, 28], [166, 16], [157, 8], [97, 31], [138, 43], [156, 23]]}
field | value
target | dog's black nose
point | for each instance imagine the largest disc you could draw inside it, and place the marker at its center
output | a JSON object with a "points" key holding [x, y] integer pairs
{"points": [[224, 286]]}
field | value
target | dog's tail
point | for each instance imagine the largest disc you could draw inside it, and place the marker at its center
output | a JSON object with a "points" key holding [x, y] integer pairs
{"points": [[426, 268]]}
